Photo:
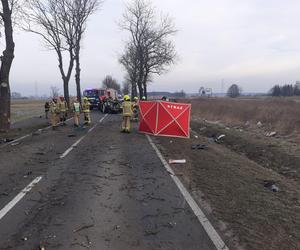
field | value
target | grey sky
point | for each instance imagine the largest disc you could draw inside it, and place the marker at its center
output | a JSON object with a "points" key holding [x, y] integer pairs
{"points": [[254, 43]]}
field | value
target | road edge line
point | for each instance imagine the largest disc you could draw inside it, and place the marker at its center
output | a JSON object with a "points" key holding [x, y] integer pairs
{"points": [[28, 135], [208, 227], [19, 197]]}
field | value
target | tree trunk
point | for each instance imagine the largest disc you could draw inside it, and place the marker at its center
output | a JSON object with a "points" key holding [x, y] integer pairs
{"points": [[141, 91], [6, 62], [66, 78], [133, 89], [145, 90], [77, 72], [66, 91]]}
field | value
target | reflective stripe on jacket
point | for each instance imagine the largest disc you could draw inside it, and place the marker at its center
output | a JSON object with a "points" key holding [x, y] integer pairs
{"points": [[63, 106], [76, 107], [127, 108], [86, 107]]}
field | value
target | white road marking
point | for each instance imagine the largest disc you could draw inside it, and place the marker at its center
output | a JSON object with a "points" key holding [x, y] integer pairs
{"points": [[12, 203], [77, 142], [212, 233], [101, 120], [26, 136]]}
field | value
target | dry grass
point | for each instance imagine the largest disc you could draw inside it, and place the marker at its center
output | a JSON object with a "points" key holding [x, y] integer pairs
{"points": [[24, 109], [280, 114]]}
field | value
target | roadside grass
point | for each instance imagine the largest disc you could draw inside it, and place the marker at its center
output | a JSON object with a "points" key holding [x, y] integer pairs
{"points": [[25, 109], [279, 114]]}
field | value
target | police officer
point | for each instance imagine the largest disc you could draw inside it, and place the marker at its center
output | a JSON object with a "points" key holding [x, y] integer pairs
{"points": [[127, 113]]}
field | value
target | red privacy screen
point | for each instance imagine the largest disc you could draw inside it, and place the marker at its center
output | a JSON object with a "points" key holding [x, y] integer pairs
{"points": [[165, 118]]}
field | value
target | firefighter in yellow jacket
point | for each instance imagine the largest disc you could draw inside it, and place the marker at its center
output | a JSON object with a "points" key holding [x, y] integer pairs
{"points": [[76, 110], [63, 108], [54, 110], [127, 113], [86, 111]]}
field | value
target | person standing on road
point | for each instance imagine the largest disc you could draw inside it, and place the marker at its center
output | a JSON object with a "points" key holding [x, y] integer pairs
{"points": [[127, 113], [54, 110], [76, 110], [47, 108], [135, 109], [63, 110], [86, 107]]}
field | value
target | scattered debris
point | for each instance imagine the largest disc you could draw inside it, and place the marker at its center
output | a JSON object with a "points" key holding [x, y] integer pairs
{"points": [[151, 232], [83, 228], [219, 138], [24, 238], [4, 194], [38, 132], [6, 140], [271, 134], [247, 124], [15, 144], [28, 173], [182, 161], [196, 136], [200, 146], [259, 124], [271, 185], [117, 227], [40, 153], [72, 135]]}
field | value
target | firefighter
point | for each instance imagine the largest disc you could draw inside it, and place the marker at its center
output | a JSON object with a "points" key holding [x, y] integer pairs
{"points": [[127, 113], [63, 110], [135, 109], [54, 111], [86, 111], [47, 108], [76, 110]]}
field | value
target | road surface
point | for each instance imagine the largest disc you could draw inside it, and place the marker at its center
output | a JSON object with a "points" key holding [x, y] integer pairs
{"points": [[94, 188]]}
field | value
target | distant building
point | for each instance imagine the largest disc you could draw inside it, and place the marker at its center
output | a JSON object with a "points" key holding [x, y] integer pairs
{"points": [[297, 84]]}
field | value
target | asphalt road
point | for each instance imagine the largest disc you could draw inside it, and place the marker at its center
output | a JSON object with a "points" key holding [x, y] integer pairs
{"points": [[108, 191]]}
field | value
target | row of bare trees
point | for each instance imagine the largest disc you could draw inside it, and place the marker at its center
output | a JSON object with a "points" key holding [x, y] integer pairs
{"points": [[149, 50], [60, 23]]}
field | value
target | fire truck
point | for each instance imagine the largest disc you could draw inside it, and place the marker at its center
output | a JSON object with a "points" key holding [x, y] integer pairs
{"points": [[103, 99]]}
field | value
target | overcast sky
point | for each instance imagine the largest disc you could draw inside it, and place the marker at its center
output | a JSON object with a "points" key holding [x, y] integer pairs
{"points": [[255, 43]]}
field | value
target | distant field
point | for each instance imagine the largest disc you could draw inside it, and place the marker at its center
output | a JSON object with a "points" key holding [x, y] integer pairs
{"points": [[280, 114], [24, 109]]}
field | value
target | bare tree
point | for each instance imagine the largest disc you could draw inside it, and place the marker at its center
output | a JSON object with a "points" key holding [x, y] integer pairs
{"points": [[234, 91], [82, 10], [110, 82], [53, 20], [54, 91], [7, 10], [126, 87], [149, 50]]}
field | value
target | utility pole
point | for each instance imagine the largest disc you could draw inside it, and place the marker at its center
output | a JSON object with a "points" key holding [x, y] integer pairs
{"points": [[36, 91]]}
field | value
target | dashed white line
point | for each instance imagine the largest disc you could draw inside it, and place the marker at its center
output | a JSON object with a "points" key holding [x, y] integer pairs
{"points": [[77, 142], [211, 232], [12, 203]]}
